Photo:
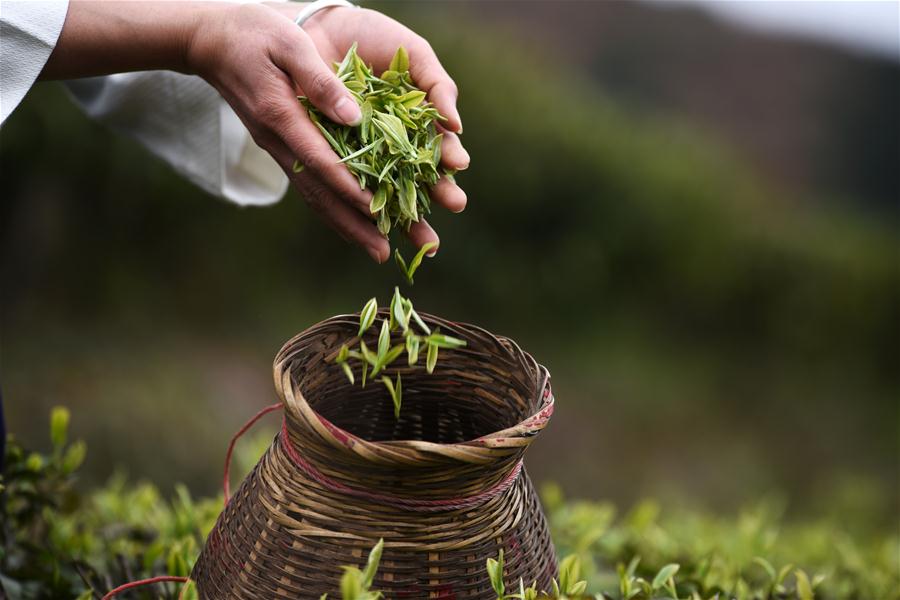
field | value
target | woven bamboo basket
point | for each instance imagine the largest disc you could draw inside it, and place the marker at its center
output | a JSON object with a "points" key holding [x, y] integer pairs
{"points": [[443, 485]]}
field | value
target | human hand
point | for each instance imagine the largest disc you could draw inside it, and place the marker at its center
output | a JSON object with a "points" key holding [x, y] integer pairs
{"points": [[260, 60]]}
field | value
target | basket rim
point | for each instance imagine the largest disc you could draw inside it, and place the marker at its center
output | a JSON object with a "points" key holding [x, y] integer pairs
{"points": [[487, 448]]}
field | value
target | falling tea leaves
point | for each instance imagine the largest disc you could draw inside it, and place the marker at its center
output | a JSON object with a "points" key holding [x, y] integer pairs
{"points": [[397, 324]]}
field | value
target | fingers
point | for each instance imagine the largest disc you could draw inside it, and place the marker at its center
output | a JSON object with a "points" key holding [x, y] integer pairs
{"points": [[298, 57], [449, 195], [306, 144], [347, 222], [429, 75], [421, 233], [453, 155]]}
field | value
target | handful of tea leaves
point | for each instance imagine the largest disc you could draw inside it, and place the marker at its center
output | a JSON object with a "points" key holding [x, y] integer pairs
{"points": [[396, 149], [401, 318]]}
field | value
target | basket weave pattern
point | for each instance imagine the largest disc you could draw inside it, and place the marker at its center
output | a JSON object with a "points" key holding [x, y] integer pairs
{"points": [[443, 484]]}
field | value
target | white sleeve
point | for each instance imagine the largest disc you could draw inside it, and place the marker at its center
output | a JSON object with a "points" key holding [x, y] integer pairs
{"points": [[178, 117], [28, 33], [185, 121]]}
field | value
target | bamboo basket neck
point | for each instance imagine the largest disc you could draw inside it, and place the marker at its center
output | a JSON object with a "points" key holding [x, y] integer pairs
{"points": [[462, 430]]}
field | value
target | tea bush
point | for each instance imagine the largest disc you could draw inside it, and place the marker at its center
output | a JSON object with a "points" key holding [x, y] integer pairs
{"points": [[60, 542]]}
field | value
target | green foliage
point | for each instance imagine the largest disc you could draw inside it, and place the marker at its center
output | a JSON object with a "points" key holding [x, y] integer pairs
{"points": [[61, 544], [690, 554], [395, 150]]}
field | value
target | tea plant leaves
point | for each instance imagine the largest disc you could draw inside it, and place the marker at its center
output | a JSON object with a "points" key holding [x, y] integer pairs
{"points": [[367, 316]]}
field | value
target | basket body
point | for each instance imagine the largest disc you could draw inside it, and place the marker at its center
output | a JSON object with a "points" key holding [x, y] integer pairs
{"points": [[443, 485]]}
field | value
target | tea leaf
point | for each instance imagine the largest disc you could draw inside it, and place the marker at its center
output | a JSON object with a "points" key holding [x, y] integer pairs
{"points": [[444, 341], [367, 316], [664, 574], [431, 357], [384, 339], [400, 61], [417, 260], [397, 313], [372, 563], [348, 372], [59, 427], [804, 587], [379, 199], [395, 391], [419, 321], [412, 348], [342, 354]]}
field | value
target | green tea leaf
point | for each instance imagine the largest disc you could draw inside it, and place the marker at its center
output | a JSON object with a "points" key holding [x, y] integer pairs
{"points": [[397, 312], [804, 587], [59, 427], [444, 341], [664, 574], [379, 199], [411, 99], [348, 372], [400, 61], [367, 316], [412, 348], [431, 357], [372, 564], [419, 321], [384, 339], [395, 391], [417, 259], [342, 354]]}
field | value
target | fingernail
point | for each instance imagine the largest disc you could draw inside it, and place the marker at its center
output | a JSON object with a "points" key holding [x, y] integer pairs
{"points": [[348, 111], [374, 253], [466, 162]]}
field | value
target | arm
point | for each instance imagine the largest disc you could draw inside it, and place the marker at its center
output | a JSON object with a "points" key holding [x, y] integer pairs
{"points": [[259, 60]]}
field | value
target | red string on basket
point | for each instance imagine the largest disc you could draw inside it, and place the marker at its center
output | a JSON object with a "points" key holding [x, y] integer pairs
{"points": [[413, 504], [226, 480], [134, 584]]}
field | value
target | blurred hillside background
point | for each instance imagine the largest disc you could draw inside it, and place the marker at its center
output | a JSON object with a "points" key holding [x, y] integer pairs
{"points": [[693, 225]]}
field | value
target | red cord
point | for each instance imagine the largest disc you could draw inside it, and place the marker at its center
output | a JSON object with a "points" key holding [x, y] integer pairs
{"points": [[134, 584], [226, 483]]}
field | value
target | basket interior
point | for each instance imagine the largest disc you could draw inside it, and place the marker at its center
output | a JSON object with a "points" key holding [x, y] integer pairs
{"points": [[471, 393]]}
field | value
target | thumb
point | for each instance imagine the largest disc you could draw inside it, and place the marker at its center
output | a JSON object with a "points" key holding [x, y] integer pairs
{"points": [[300, 59]]}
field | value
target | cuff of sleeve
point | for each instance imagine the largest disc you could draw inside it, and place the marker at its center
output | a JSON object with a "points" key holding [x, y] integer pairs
{"points": [[250, 176], [29, 31], [183, 120]]}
